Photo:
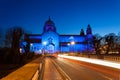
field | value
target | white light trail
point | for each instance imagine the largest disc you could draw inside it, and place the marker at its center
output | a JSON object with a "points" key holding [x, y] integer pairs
{"points": [[94, 61]]}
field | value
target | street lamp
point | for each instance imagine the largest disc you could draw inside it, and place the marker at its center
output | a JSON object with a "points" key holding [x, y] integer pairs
{"points": [[44, 43], [73, 43], [68, 44], [20, 50], [31, 47], [68, 47], [31, 44]]}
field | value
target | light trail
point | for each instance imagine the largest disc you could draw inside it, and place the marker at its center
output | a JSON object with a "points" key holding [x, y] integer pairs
{"points": [[94, 61]]}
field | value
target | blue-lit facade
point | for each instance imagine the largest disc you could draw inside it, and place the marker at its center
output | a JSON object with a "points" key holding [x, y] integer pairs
{"points": [[51, 42]]}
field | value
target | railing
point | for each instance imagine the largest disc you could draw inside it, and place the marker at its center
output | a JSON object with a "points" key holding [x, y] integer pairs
{"points": [[37, 73], [115, 58], [40, 71], [112, 58]]}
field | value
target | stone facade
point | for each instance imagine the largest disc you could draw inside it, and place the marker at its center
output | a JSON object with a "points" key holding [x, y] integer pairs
{"points": [[51, 42]]}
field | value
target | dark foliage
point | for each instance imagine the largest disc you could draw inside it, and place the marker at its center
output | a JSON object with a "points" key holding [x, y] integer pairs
{"points": [[97, 43]]}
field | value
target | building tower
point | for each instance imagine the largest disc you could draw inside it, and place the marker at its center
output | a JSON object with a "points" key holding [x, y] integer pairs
{"points": [[89, 30], [82, 32], [49, 26], [50, 37], [89, 38]]}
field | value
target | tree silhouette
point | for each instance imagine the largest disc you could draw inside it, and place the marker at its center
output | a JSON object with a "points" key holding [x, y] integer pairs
{"points": [[13, 36], [118, 43], [1, 42], [12, 40], [109, 42], [97, 43]]}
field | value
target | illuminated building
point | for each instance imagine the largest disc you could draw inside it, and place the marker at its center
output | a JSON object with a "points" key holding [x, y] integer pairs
{"points": [[50, 41]]}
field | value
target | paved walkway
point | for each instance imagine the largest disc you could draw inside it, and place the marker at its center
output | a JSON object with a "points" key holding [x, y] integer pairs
{"points": [[50, 72], [25, 72]]}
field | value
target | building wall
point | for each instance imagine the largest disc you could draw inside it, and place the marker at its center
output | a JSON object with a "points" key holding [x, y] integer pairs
{"points": [[69, 38], [51, 39], [60, 43], [36, 47], [66, 46]]}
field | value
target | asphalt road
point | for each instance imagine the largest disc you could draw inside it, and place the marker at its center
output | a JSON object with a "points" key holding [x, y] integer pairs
{"points": [[77, 70], [50, 71]]}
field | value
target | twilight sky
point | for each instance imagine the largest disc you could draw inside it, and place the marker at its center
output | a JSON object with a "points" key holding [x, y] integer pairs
{"points": [[69, 16]]}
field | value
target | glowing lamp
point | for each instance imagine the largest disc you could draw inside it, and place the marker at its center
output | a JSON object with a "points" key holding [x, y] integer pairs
{"points": [[20, 50], [44, 43], [72, 43], [31, 44], [68, 44]]}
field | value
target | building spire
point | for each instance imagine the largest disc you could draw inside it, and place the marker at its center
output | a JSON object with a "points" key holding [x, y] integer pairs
{"points": [[89, 30], [82, 32]]}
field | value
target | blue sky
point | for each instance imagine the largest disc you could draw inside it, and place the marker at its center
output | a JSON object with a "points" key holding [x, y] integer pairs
{"points": [[69, 16]]}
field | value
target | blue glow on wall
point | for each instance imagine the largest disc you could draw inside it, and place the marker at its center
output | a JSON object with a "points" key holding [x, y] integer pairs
{"points": [[35, 47], [69, 38], [51, 42], [35, 37], [52, 39]]}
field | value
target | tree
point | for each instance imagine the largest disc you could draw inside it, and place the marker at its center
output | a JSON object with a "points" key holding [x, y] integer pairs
{"points": [[97, 43], [118, 43], [1, 38], [13, 36], [109, 42], [12, 40]]}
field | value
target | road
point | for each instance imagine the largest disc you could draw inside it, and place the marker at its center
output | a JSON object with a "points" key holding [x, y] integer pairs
{"points": [[77, 70], [50, 71]]}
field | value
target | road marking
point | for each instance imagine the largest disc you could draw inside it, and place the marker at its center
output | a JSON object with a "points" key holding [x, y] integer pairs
{"points": [[57, 66], [107, 77]]}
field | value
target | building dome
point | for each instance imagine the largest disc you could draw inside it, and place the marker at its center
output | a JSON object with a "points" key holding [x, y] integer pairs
{"points": [[49, 25], [49, 22]]}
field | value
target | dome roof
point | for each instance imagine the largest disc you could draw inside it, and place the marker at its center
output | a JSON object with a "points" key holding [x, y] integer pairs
{"points": [[49, 22], [49, 25]]}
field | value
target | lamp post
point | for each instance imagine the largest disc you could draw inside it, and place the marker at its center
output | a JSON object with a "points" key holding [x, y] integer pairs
{"points": [[31, 47], [68, 47], [73, 43], [20, 50], [44, 44]]}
